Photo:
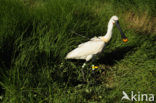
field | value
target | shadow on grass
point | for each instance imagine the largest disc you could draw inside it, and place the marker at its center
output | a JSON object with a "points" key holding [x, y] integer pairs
{"points": [[112, 57]]}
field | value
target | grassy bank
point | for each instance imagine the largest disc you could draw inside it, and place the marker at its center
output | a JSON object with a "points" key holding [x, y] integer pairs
{"points": [[35, 36]]}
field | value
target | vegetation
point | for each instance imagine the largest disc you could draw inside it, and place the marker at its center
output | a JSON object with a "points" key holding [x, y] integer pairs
{"points": [[35, 37]]}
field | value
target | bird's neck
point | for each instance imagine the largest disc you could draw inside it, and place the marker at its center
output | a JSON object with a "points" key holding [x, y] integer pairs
{"points": [[108, 35]]}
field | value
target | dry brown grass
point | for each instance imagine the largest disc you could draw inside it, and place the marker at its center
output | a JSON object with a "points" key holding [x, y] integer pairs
{"points": [[141, 23]]}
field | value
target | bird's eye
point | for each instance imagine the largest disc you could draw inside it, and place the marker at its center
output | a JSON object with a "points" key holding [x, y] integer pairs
{"points": [[114, 21]]}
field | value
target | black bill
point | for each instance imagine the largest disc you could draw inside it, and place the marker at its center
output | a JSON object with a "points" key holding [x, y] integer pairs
{"points": [[124, 38]]}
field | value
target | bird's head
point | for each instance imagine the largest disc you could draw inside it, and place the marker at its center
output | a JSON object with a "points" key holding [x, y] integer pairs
{"points": [[115, 20]]}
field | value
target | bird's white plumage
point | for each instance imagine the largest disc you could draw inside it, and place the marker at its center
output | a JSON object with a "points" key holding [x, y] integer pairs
{"points": [[87, 50]]}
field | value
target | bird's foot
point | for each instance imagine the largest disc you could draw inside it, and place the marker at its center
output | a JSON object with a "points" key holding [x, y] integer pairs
{"points": [[94, 67]]}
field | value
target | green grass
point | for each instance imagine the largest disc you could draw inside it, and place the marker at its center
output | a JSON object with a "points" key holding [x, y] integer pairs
{"points": [[35, 37]]}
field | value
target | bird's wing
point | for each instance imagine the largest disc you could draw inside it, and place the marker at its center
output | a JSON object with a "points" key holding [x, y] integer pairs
{"points": [[88, 48], [92, 39]]}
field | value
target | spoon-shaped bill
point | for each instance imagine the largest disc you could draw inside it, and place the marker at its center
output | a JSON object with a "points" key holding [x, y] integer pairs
{"points": [[124, 38]]}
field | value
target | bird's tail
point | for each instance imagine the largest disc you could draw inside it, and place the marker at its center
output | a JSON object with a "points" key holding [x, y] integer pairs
{"points": [[68, 56]]}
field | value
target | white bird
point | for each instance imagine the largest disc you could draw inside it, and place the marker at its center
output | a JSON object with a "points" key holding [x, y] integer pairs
{"points": [[95, 45]]}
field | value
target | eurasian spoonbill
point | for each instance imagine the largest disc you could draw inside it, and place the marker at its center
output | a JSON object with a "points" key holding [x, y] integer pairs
{"points": [[95, 45]]}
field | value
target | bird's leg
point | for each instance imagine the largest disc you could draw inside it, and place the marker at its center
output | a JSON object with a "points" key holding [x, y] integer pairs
{"points": [[83, 75], [84, 64], [92, 61]]}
